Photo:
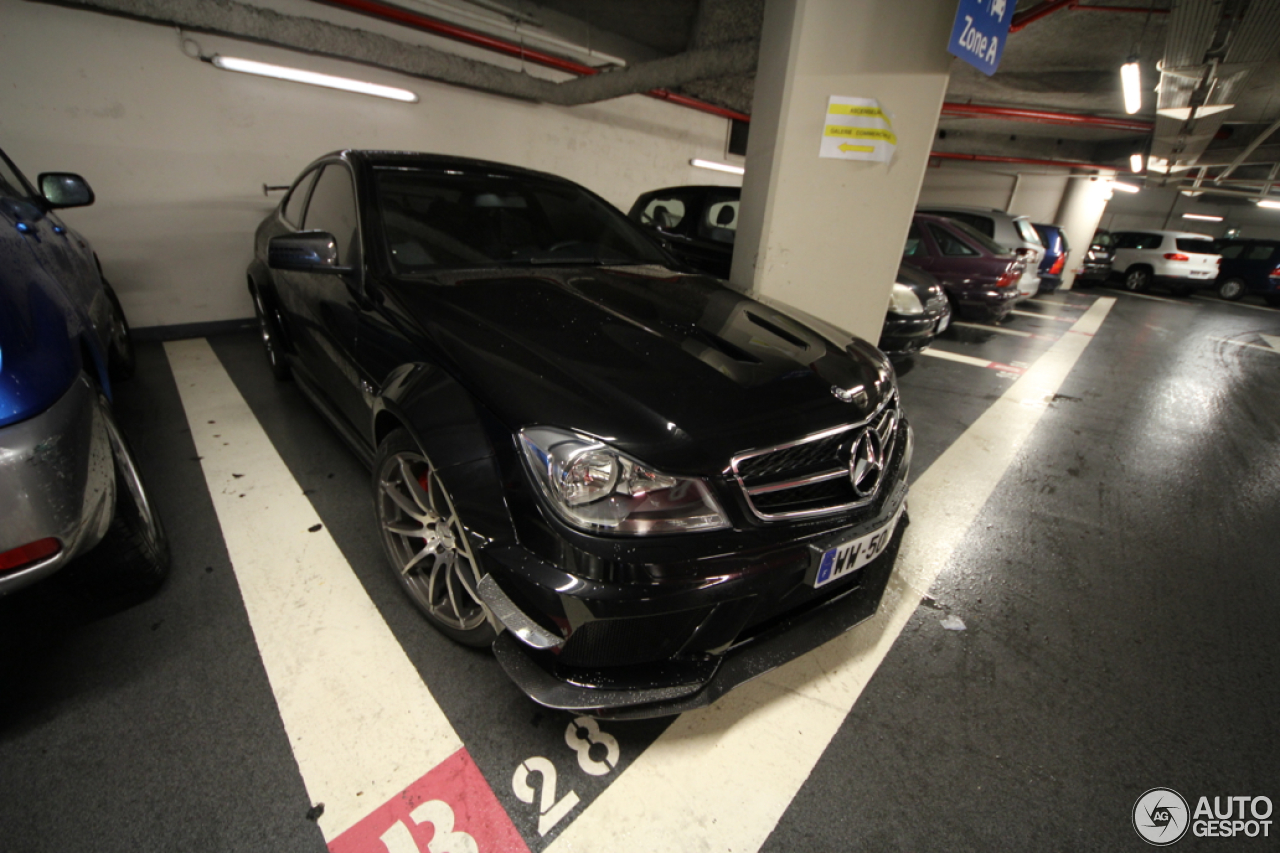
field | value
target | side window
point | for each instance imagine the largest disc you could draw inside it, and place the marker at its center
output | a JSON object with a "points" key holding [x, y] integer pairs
{"points": [[949, 244], [333, 209], [1147, 241], [1232, 250], [1259, 252], [298, 199], [664, 212], [915, 247]]}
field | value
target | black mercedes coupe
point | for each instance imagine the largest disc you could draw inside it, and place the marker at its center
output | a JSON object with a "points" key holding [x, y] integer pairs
{"points": [[640, 487]]}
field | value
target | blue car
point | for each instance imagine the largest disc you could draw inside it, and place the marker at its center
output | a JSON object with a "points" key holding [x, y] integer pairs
{"points": [[70, 494], [1055, 256], [1249, 266]]}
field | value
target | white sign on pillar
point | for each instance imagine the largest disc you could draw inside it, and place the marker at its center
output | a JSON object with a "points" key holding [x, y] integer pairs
{"points": [[857, 129]]}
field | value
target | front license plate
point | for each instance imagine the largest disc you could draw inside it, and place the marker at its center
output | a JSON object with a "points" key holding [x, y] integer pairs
{"points": [[848, 557]]}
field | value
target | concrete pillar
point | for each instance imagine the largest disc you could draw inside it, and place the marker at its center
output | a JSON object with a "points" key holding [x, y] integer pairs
{"points": [[1082, 207], [826, 235]]}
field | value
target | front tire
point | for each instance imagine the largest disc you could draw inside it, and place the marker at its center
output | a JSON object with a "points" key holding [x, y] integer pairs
{"points": [[1232, 290], [121, 357], [270, 338], [1137, 279], [426, 542]]}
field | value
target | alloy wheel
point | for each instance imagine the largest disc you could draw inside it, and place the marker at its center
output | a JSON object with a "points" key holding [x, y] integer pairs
{"points": [[1231, 289], [427, 543], [1136, 280]]}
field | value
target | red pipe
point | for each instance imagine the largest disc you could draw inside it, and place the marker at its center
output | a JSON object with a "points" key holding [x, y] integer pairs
{"points": [[1044, 117], [477, 39], [1025, 161], [1037, 12], [1042, 10]]}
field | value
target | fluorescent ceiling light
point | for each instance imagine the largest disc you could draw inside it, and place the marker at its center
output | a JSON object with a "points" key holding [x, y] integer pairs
{"points": [[1131, 80], [1272, 204], [1203, 217], [1124, 188], [1135, 163], [297, 75], [718, 167]]}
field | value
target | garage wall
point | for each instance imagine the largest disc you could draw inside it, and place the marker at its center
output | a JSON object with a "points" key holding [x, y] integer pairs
{"points": [[1153, 207], [178, 151], [1036, 193]]}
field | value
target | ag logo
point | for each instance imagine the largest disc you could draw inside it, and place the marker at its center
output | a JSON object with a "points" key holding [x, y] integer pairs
{"points": [[1160, 816]]}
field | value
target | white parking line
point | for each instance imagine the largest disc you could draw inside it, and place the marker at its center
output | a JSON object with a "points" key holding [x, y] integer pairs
{"points": [[1152, 298], [1039, 316], [968, 359], [1236, 304], [362, 724], [997, 329], [721, 778], [1055, 304]]}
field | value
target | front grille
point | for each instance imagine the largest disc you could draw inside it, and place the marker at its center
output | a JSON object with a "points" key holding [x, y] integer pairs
{"points": [[817, 474]]}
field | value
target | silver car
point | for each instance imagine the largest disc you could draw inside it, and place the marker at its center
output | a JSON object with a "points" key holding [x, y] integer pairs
{"points": [[68, 481]]}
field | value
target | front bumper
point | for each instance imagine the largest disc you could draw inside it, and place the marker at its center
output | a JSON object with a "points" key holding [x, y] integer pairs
{"points": [[673, 647], [56, 480], [903, 334]]}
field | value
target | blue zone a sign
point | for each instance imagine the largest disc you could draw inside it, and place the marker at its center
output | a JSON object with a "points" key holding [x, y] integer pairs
{"points": [[980, 31]]}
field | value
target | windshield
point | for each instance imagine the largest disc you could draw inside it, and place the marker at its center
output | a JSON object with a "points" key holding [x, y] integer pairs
{"points": [[451, 218]]}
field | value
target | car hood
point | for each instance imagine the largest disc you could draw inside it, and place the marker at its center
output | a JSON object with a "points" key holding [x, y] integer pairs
{"points": [[678, 370], [38, 324]]}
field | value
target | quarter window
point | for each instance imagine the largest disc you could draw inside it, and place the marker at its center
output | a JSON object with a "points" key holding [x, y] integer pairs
{"points": [[297, 199], [1260, 252], [333, 208], [665, 213]]}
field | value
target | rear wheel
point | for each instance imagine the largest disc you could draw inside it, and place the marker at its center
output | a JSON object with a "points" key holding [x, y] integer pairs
{"points": [[1231, 289], [1137, 279], [134, 555], [426, 542]]}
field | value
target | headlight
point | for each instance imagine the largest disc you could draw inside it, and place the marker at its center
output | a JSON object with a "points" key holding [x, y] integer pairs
{"points": [[599, 489], [903, 300]]}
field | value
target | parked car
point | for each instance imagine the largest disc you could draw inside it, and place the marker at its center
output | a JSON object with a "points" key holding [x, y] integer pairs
{"points": [[1012, 233], [1054, 261], [1179, 261], [70, 494], [698, 224], [1096, 267], [631, 482], [1249, 266], [919, 311], [979, 276]]}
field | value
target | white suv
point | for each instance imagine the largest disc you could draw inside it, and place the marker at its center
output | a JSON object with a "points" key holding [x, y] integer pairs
{"points": [[1177, 260]]}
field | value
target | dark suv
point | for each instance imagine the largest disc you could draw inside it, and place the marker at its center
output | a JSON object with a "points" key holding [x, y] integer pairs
{"points": [[1249, 266]]}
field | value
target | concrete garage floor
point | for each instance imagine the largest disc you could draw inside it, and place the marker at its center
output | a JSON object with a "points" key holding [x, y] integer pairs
{"points": [[1119, 592]]}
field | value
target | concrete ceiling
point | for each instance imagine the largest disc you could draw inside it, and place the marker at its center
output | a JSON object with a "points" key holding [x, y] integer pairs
{"points": [[1064, 58]]}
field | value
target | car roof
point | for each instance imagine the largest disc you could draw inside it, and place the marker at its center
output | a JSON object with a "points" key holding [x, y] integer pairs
{"points": [[402, 159], [964, 208], [1190, 235]]}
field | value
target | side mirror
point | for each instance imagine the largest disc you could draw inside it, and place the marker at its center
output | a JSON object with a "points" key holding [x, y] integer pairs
{"points": [[64, 189], [306, 251]]}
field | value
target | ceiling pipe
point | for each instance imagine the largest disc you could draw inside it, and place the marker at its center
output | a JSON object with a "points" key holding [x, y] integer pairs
{"points": [[1043, 10], [424, 23], [1025, 161], [1045, 117]]}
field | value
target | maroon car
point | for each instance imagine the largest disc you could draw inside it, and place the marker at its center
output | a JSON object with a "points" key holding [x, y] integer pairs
{"points": [[979, 276]]}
